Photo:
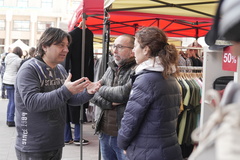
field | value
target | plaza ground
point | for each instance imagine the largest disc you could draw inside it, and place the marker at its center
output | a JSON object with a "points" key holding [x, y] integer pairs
{"points": [[70, 152]]}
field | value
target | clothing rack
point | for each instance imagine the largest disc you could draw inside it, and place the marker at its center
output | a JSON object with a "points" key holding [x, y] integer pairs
{"points": [[190, 82], [189, 68], [198, 48]]}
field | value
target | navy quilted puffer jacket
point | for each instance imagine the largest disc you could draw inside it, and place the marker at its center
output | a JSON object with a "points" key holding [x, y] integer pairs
{"points": [[148, 128]]}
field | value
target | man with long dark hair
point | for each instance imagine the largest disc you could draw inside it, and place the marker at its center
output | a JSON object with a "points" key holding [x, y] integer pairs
{"points": [[43, 89]]}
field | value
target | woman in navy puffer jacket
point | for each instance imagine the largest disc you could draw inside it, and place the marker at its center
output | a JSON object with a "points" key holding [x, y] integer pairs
{"points": [[148, 128]]}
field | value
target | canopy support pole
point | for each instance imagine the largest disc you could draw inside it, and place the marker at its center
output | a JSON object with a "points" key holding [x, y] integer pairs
{"points": [[84, 17], [106, 35]]}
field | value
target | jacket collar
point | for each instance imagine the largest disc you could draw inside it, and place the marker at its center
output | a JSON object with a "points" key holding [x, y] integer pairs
{"points": [[131, 62]]}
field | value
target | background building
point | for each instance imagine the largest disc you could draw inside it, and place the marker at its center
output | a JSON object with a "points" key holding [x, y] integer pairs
{"points": [[27, 19]]}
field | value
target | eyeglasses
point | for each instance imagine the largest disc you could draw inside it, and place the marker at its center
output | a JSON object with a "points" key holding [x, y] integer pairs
{"points": [[120, 47]]}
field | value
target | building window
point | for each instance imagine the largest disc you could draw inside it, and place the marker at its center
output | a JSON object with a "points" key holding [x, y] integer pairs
{"points": [[22, 3], [26, 41], [1, 41], [47, 3], [2, 24], [21, 25], [42, 26], [2, 46]]}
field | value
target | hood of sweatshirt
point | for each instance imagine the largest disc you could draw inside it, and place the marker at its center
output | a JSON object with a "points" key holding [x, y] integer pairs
{"points": [[10, 58], [152, 64]]}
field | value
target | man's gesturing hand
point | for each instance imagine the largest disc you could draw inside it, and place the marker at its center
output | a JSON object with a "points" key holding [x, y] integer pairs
{"points": [[76, 86], [93, 87]]}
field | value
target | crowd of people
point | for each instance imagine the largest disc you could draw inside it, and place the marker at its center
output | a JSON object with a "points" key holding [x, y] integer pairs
{"points": [[39, 89]]}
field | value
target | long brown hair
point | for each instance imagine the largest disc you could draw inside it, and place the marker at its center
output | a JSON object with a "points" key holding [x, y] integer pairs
{"points": [[18, 51], [156, 40]]}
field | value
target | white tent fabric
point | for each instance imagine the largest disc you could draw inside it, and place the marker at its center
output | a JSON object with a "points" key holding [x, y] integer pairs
{"points": [[20, 44], [107, 3]]}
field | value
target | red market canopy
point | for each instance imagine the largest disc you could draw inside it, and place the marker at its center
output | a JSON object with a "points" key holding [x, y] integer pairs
{"points": [[185, 18]]}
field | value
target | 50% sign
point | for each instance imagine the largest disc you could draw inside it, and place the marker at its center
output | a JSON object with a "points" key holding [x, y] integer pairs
{"points": [[229, 61]]}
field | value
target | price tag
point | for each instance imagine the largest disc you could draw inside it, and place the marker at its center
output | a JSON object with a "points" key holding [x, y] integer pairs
{"points": [[229, 61]]}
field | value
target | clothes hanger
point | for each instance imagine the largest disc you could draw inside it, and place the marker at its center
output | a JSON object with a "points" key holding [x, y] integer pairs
{"points": [[80, 25]]}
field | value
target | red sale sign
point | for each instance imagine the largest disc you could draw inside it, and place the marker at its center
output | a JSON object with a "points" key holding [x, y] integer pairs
{"points": [[229, 61]]}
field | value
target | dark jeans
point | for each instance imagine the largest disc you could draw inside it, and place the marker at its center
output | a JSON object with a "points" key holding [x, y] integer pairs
{"points": [[49, 155], [11, 104], [3, 91], [109, 148], [68, 132]]}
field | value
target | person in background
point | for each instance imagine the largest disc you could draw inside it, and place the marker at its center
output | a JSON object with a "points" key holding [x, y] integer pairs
{"points": [[181, 59], [148, 127], [194, 54], [113, 96], [31, 54], [43, 90], [2, 70], [12, 64]]}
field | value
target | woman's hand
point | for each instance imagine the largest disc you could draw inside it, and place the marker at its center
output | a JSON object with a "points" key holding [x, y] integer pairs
{"points": [[93, 87]]}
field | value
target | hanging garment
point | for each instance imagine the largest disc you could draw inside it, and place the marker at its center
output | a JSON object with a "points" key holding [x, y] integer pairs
{"points": [[73, 63], [188, 119], [73, 60]]}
